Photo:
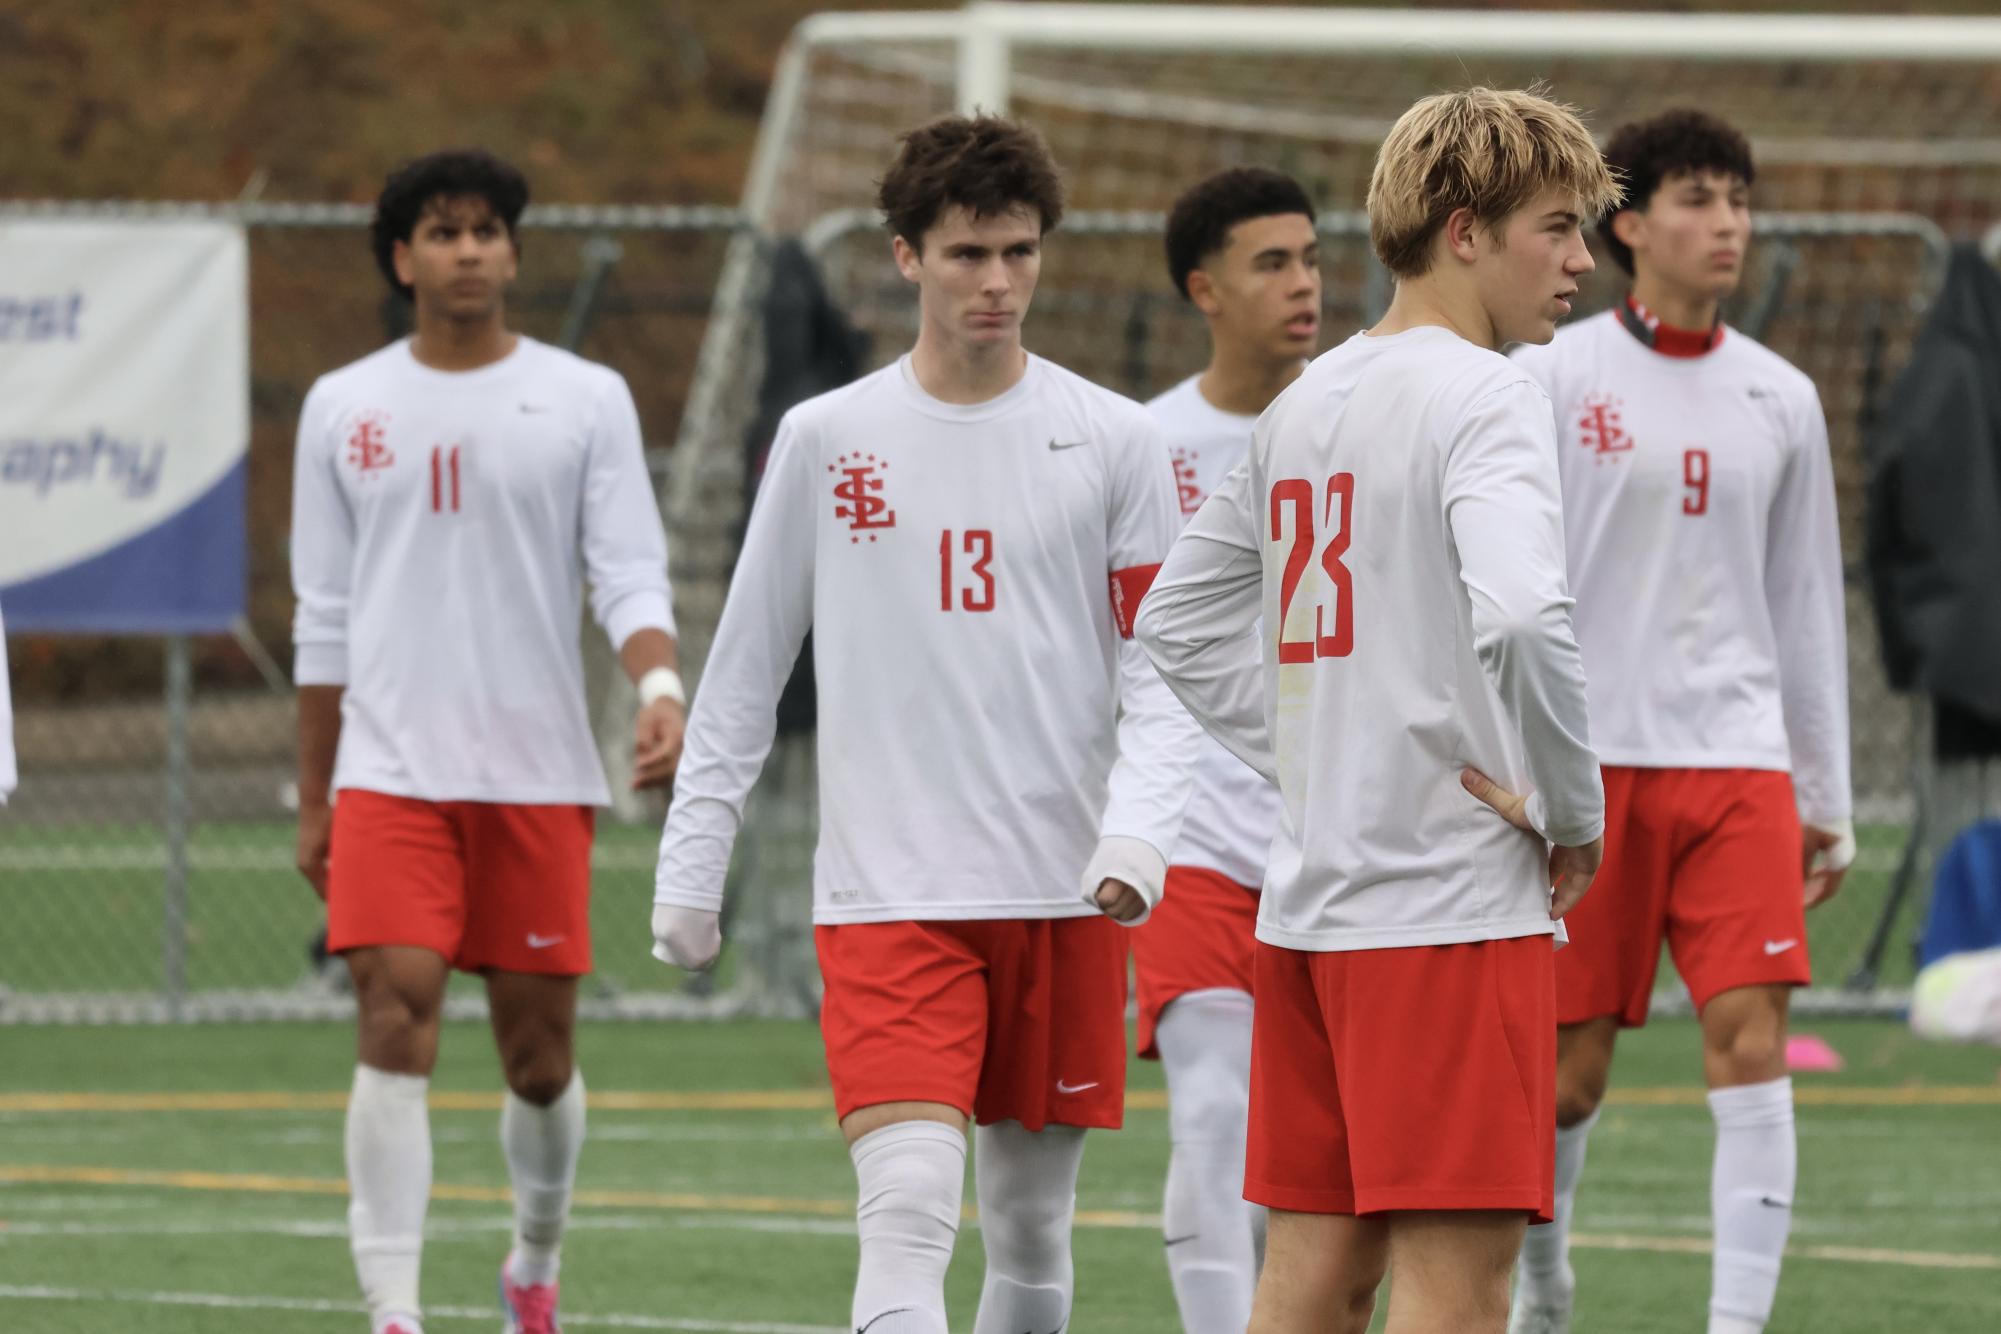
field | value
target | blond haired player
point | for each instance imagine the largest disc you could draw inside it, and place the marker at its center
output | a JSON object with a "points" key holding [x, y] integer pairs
{"points": [[1242, 249], [968, 531], [1699, 512], [1394, 545]]}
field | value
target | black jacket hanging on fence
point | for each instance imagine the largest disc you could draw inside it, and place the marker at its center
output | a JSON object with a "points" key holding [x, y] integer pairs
{"points": [[810, 347], [1934, 504]]}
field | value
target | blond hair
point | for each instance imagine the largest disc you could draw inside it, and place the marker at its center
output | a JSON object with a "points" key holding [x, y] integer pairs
{"points": [[1485, 149]]}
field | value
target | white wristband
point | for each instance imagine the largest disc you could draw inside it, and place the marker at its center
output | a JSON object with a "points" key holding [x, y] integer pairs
{"points": [[661, 683], [1842, 855]]}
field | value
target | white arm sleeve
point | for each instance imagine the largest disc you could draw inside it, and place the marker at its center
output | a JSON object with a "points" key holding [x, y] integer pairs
{"points": [[624, 547], [765, 618], [1158, 741], [1199, 624], [1504, 509], [1803, 587], [322, 551]]}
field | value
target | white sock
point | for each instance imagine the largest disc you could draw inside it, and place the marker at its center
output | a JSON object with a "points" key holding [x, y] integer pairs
{"points": [[1027, 1182], [1751, 1201], [1546, 1249], [389, 1176], [1210, 1229], [911, 1178], [542, 1144]]}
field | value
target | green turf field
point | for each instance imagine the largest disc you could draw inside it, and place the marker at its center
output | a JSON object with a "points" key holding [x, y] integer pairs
{"points": [[83, 908], [175, 1180]]}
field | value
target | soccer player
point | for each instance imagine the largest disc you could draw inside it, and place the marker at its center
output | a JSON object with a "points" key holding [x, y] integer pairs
{"points": [[1373, 611], [1241, 248], [1699, 515], [453, 493], [968, 531]]}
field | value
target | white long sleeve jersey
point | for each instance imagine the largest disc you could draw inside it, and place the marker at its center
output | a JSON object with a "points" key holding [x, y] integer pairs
{"points": [[1395, 539], [1233, 808], [965, 571], [443, 524], [1699, 512]]}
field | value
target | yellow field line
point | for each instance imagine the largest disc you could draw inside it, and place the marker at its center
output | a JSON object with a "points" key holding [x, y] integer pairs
{"points": [[252, 1183], [815, 1100]]}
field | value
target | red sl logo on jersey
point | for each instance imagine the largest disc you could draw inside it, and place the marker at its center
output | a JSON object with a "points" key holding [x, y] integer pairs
{"points": [[860, 491], [1602, 430], [1185, 482], [367, 449]]}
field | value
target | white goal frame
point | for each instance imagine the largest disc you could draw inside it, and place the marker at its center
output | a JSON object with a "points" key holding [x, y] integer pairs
{"points": [[987, 33]]}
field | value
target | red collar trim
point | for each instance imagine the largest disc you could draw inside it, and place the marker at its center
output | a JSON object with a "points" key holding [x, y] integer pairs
{"points": [[1665, 339]]}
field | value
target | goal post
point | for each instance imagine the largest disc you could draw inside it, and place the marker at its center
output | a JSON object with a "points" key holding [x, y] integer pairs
{"points": [[1876, 138]]}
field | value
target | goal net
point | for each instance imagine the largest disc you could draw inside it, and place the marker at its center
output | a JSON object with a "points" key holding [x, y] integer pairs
{"points": [[1876, 139]]}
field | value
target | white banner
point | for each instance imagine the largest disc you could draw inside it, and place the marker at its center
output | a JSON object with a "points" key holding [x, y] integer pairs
{"points": [[124, 422]]}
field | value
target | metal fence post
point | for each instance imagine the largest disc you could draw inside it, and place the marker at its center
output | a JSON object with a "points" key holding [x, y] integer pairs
{"points": [[174, 913]]}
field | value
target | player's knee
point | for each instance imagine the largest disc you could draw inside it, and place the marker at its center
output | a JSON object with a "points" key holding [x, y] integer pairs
{"points": [[1578, 1095], [1744, 1038], [1749, 1054], [539, 1082], [1032, 1229], [1212, 1111], [1357, 1304], [397, 1028]]}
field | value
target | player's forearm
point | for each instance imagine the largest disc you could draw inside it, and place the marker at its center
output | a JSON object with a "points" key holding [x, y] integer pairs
{"points": [[647, 649], [1816, 714], [1530, 654], [1154, 773], [1221, 685], [1198, 626], [319, 741]]}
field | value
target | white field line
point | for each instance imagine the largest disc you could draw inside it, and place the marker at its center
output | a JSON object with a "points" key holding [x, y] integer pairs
{"points": [[779, 1211], [272, 858], [436, 1230], [218, 1301]]}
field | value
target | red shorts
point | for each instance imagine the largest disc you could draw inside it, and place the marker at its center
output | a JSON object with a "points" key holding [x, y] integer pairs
{"points": [[488, 886], [1017, 1020], [1398, 1079], [1202, 936], [1707, 860]]}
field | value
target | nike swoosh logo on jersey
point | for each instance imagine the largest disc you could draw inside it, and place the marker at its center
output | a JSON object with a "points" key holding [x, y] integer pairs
{"points": [[1176, 1241], [1779, 946], [1062, 1087], [536, 942], [1067, 444]]}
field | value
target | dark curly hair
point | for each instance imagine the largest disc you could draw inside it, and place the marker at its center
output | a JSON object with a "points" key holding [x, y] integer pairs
{"points": [[1200, 222], [984, 164], [452, 174], [1647, 152]]}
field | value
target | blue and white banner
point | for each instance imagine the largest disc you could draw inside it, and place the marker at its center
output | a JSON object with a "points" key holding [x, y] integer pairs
{"points": [[124, 424]]}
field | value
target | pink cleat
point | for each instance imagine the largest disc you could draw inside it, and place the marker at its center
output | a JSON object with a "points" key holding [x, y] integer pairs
{"points": [[529, 1310]]}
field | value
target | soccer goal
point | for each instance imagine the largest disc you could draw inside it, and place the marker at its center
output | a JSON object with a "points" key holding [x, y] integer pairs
{"points": [[1877, 138]]}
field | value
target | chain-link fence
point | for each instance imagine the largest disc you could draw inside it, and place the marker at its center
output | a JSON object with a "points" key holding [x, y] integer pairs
{"points": [[146, 861], [145, 865]]}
